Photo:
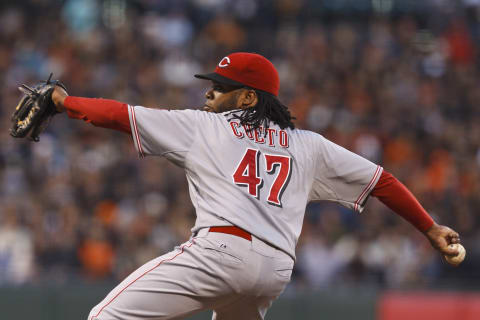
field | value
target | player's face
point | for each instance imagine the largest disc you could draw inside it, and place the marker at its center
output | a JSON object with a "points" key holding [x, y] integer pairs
{"points": [[222, 97]]}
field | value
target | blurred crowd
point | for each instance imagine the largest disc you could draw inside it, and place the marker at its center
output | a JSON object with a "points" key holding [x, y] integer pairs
{"points": [[394, 81]]}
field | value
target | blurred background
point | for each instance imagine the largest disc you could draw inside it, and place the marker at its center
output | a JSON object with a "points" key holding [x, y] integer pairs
{"points": [[396, 81]]}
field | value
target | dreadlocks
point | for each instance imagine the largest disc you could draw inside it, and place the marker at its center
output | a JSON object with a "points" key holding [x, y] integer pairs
{"points": [[268, 108]]}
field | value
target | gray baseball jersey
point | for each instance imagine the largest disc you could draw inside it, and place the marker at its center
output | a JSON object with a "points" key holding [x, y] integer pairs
{"points": [[256, 180]]}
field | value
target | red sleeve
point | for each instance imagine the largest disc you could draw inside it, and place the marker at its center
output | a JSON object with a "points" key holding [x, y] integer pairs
{"points": [[398, 198], [99, 112]]}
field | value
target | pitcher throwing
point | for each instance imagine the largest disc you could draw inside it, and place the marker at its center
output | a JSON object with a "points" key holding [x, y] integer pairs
{"points": [[250, 175]]}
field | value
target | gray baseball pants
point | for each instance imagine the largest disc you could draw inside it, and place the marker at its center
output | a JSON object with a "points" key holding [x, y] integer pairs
{"points": [[234, 277]]}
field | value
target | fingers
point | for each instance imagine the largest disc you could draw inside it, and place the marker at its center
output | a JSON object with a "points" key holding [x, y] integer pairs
{"points": [[455, 240], [454, 234], [444, 240], [452, 238], [450, 251]]}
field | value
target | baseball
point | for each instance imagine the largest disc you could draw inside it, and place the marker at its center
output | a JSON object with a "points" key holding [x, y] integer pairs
{"points": [[456, 260]]}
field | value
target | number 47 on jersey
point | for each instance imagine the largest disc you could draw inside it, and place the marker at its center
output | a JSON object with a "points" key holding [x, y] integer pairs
{"points": [[247, 174]]}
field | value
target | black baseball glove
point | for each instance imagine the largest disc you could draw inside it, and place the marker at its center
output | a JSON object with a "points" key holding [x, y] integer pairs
{"points": [[35, 110]]}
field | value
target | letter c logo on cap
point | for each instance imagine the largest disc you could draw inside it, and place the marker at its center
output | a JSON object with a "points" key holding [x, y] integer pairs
{"points": [[224, 62]]}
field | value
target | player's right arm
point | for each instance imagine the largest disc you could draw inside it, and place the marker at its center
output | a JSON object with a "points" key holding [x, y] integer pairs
{"points": [[344, 175], [400, 200]]}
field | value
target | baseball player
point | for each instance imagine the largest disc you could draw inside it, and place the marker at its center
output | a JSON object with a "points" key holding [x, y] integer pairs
{"points": [[250, 175]]}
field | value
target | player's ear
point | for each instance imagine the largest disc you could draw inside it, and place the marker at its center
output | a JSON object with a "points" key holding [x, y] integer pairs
{"points": [[248, 98]]}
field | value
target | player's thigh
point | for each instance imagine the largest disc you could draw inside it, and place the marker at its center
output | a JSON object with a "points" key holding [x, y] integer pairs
{"points": [[159, 289], [253, 307], [142, 306]]}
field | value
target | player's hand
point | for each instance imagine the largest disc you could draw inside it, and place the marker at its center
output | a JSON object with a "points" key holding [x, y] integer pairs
{"points": [[440, 237], [58, 97]]}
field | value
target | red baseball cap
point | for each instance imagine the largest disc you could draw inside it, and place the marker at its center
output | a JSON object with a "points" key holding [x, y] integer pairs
{"points": [[246, 69]]}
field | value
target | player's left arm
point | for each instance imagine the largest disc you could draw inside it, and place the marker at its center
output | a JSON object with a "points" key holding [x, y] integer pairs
{"points": [[168, 133], [398, 198], [99, 112]]}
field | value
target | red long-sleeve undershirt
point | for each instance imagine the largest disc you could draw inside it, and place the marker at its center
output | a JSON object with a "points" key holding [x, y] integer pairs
{"points": [[397, 197], [99, 112], [114, 115]]}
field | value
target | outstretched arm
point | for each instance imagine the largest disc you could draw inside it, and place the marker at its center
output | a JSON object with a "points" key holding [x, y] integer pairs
{"points": [[99, 112], [398, 198]]}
